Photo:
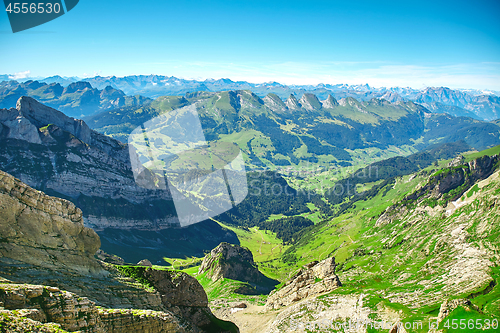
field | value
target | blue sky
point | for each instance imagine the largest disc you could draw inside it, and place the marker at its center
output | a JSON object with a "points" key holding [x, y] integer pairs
{"points": [[382, 43]]}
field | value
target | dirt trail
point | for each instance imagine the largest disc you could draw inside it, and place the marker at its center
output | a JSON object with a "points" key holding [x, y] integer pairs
{"points": [[249, 320], [262, 242]]}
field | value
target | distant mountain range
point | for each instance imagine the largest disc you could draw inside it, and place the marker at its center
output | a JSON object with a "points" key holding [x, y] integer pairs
{"points": [[479, 104], [272, 132], [77, 99]]}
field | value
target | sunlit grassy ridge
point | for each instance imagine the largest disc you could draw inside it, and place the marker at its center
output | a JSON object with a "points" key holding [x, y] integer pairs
{"points": [[362, 216], [405, 265], [350, 133]]}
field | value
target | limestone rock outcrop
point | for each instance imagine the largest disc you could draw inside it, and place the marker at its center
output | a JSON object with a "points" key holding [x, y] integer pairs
{"points": [[45, 231], [330, 102], [459, 175], [313, 279], [273, 102], [459, 160], [310, 102], [229, 261], [147, 321], [451, 304], [292, 103], [177, 288], [49, 304], [40, 115], [21, 128], [445, 186], [234, 262], [106, 257], [30, 307], [183, 295]]}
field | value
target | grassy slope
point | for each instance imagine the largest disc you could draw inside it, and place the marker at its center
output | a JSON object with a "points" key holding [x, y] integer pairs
{"points": [[265, 247], [350, 224], [490, 152], [372, 259], [388, 260]]}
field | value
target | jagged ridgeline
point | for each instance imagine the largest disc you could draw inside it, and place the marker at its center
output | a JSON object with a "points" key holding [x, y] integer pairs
{"points": [[479, 104], [64, 158], [276, 133], [77, 99]]}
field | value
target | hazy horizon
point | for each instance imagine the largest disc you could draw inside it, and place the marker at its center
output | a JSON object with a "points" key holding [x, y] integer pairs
{"points": [[385, 44]]}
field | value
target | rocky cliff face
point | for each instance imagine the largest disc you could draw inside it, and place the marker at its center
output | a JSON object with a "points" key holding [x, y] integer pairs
{"points": [[273, 102], [61, 155], [42, 230], [330, 102], [292, 103], [184, 296], [75, 162], [229, 261], [310, 102], [42, 235], [313, 279], [444, 186], [234, 262]]}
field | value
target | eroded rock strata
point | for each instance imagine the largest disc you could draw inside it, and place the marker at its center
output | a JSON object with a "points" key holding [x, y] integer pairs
{"points": [[51, 279]]}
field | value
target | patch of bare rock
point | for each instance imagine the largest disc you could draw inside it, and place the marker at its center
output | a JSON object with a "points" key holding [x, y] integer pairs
{"points": [[313, 279]]}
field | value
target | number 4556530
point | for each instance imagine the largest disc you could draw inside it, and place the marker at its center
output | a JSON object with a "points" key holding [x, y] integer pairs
{"points": [[33, 8], [471, 324]]}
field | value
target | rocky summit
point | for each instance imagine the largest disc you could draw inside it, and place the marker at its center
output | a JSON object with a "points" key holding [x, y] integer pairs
{"points": [[229, 261]]}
